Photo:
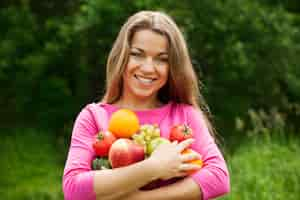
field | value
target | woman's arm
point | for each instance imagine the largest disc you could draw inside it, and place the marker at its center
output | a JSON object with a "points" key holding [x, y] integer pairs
{"points": [[185, 189], [120, 182], [213, 178], [80, 182], [209, 182], [78, 176], [165, 162]]}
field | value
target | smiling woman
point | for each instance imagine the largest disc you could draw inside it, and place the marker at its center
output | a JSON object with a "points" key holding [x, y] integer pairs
{"points": [[149, 71]]}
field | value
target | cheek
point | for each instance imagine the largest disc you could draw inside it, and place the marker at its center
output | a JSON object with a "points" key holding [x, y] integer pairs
{"points": [[165, 72], [131, 64], [129, 69]]}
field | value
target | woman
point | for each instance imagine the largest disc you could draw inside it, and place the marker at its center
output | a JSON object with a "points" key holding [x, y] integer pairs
{"points": [[148, 71]]}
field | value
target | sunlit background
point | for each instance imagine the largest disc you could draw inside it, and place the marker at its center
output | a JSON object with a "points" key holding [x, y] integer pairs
{"points": [[246, 53]]}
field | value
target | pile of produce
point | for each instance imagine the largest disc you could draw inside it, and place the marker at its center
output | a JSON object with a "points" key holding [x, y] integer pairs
{"points": [[127, 142]]}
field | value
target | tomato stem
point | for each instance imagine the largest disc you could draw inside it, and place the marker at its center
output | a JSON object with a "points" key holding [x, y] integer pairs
{"points": [[186, 129], [100, 136]]}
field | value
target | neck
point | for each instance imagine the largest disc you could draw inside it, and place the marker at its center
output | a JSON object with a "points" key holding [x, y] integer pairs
{"points": [[138, 104]]}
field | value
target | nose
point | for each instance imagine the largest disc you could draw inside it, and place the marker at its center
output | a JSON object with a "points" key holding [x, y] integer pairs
{"points": [[148, 65]]}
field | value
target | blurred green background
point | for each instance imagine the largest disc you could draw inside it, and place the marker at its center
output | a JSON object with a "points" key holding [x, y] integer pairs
{"points": [[246, 52]]}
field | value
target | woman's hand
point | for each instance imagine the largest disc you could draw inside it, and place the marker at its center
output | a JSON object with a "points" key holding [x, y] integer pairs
{"points": [[168, 162]]}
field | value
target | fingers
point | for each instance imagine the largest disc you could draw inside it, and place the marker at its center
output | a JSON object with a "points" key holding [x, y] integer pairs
{"points": [[189, 167], [184, 144], [181, 174], [189, 157]]}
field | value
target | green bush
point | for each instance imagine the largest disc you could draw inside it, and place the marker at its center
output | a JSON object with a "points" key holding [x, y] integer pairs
{"points": [[246, 54], [53, 56], [36, 85]]}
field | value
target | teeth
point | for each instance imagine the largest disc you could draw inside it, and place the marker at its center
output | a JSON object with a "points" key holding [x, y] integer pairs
{"points": [[144, 80]]}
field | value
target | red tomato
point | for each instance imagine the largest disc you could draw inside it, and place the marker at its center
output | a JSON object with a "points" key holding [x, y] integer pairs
{"points": [[180, 132], [103, 142]]}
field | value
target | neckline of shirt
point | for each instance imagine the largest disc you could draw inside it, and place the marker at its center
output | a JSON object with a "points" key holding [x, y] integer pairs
{"points": [[153, 111]]}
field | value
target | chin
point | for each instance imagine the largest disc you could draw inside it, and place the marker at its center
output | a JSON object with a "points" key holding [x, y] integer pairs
{"points": [[143, 94]]}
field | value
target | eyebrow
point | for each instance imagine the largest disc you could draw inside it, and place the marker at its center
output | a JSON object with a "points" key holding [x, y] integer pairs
{"points": [[160, 53]]}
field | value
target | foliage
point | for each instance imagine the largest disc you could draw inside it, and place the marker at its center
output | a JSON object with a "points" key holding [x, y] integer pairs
{"points": [[32, 75], [52, 58], [52, 62], [246, 53]]}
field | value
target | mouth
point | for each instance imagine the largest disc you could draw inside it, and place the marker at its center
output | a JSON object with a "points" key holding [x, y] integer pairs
{"points": [[145, 80]]}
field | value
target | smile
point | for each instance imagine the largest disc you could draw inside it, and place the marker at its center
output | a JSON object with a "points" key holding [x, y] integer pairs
{"points": [[144, 80]]}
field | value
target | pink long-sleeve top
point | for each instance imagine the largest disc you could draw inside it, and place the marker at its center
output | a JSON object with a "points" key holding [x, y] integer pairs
{"points": [[212, 178]]}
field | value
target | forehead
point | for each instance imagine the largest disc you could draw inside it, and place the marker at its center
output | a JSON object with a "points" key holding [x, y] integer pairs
{"points": [[149, 40]]}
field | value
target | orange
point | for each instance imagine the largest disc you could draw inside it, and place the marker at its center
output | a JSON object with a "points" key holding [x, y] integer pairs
{"points": [[197, 161], [123, 123]]}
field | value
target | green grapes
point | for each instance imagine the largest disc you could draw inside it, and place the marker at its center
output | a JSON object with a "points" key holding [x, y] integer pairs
{"points": [[147, 133], [139, 139]]}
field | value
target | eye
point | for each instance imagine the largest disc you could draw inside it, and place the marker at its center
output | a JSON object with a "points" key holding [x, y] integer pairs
{"points": [[135, 54], [165, 59], [162, 59]]}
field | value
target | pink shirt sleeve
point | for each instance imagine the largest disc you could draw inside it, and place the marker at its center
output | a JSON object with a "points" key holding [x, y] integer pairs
{"points": [[78, 176], [213, 177]]}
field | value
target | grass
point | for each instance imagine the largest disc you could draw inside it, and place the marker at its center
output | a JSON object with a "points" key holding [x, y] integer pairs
{"points": [[265, 168], [30, 166], [262, 168]]}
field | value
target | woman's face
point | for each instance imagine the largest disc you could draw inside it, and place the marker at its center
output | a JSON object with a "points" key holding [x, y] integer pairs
{"points": [[147, 68]]}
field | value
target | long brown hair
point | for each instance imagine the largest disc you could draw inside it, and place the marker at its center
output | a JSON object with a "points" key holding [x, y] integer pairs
{"points": [[182, 85]]}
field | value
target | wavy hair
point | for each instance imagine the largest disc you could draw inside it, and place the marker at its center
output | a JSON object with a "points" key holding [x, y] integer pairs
{"points": [[182, 85]]}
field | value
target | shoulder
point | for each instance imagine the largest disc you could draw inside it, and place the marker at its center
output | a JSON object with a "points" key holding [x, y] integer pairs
{"points": [[187, 111], [93, 114], [183, 108], [94, 107], [90, 110]]}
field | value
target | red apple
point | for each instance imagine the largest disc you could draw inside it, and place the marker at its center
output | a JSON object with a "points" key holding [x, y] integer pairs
{"points": [[124, 152]]}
